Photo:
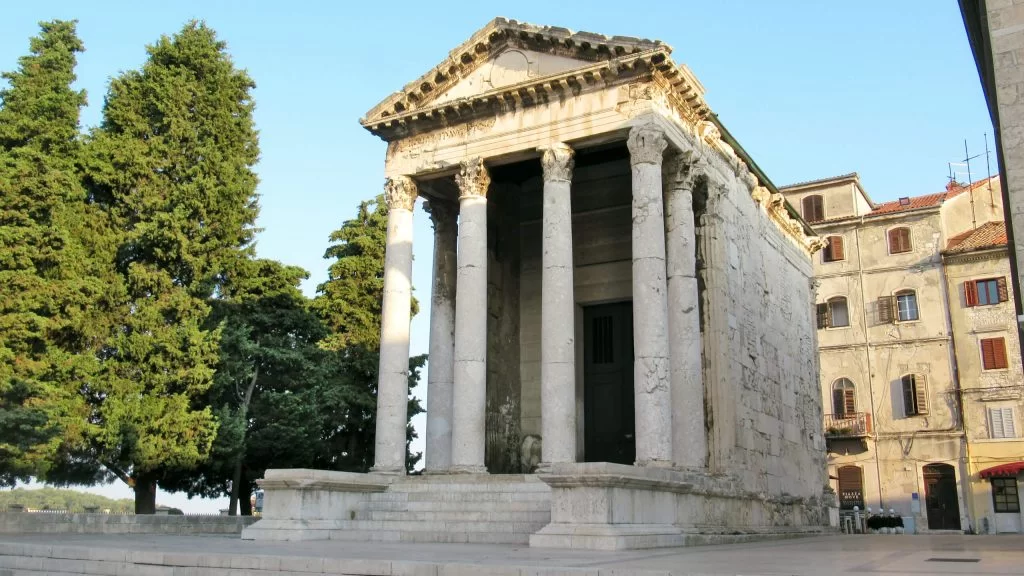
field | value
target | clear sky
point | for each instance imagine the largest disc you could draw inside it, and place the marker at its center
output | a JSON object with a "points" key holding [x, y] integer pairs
{"points": [[809, 88]]}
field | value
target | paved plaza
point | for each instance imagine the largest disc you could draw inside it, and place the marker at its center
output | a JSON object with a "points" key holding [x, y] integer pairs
{"points": [[890, 555]]}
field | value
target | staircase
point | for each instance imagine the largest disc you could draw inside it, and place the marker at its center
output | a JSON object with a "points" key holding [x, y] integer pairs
{"points": [[499, 509]]}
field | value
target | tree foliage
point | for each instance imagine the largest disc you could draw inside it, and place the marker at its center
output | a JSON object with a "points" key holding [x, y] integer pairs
{"points": [[59, 499], [49, 289], [172, 163]]}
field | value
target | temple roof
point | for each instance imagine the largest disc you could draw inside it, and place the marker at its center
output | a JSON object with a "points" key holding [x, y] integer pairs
{"points": [[586, 58]]}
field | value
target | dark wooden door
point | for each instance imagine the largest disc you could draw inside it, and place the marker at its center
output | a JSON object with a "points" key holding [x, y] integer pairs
{"points": [[608, 419], [941, 501]]}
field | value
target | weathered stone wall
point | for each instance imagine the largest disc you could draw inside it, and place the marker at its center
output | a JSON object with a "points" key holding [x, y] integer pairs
{"points": [[51, 523], [761, 369], [504, 401]]}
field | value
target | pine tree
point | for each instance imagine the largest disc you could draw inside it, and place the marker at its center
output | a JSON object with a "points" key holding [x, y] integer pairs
{"points": [[51, 287], [172, 162], [350, 304]]}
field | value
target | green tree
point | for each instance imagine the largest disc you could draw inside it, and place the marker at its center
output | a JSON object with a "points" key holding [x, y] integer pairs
{"points": [[51, 289], [172, 163], [350, 304]]}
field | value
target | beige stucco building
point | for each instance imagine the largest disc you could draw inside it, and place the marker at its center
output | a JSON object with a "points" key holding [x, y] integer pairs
{"points": [[902, 329], [622, 343]]}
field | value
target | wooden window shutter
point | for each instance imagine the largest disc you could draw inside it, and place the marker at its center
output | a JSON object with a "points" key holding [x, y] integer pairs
{"points": [[971, 293], [823, 315], [885, 310], [909, 402], [999, 352], [849, 403], [899, 240], [836, 247], [1008, 428], [850, 478], [920, 395], [995, 421], [993, 353], [1004, 294]]}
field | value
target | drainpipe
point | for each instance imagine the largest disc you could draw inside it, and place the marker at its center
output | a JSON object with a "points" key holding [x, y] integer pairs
{"points": [[867, 355]]}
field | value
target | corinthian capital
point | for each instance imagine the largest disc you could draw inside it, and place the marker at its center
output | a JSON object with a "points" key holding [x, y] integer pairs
{"points": [[473, 178], [557, 161], [646, 144], [682, 169], [400, 192], [442, 213]]}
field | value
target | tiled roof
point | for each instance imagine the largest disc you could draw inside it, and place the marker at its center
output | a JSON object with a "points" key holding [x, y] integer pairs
{"points": [[820, 180], [988, 235], [926, 201]]}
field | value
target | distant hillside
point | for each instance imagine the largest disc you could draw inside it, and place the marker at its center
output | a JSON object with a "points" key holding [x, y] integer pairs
{"points": [[60, 499]]}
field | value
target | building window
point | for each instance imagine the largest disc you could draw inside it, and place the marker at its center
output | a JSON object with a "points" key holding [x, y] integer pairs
{"points": [[844, 402], [1004, 495], [851, 487], [906, 305], [814, 208], [915, 395], [834, 314], [833, 251], [986, 292], [899, 240], [1000, 423], [993, 353]]}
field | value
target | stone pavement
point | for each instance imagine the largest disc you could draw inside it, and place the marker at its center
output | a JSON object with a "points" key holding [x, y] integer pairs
{"points": [[209, 556], [145, 555]]}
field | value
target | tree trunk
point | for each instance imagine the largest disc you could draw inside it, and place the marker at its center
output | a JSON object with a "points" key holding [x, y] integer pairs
{"points": [[145, 494], [236, 478], [244, 496]]}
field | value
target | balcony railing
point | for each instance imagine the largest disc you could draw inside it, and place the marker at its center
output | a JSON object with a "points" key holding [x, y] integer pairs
{"points": [[850, 425]]}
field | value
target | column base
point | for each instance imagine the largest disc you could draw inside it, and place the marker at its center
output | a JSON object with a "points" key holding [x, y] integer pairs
{"points": [[466, 469]]}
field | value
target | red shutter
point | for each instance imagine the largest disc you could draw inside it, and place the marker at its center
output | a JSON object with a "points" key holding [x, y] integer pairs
{"points": [[971, 293], [999, 352], [849, 405], [899, 240], [1004, 294], [988, 354], [836, 244]]}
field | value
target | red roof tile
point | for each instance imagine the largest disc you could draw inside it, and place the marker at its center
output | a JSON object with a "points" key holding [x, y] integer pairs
{"points": [[926, 201], [988, 235]]}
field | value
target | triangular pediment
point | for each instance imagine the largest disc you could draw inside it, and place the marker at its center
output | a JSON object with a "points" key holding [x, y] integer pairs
{"points": [[504, 53]]}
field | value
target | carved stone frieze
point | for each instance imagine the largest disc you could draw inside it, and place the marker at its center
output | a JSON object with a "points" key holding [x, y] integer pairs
{"points": [[400, 192], [557, 161], [473, 178], [646, 144]]}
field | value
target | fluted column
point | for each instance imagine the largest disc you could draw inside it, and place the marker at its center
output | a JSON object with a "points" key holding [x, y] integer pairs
{"points": [[470, 382], [651, 380], [689, 438], [557, 337], [396, 308], [441, 366]]}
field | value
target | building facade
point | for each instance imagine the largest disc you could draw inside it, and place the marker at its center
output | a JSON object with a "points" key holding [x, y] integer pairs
{"points": [[907, 345], [621, 304]]}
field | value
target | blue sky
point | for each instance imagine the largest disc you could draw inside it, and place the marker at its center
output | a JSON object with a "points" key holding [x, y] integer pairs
{"points": [[809, 88]]}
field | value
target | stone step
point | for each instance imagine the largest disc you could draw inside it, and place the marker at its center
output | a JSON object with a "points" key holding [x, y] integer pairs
{"points": [[423, 536], [445, 496], [543, 516], [441, 526], [410, 486], [449, 506]]}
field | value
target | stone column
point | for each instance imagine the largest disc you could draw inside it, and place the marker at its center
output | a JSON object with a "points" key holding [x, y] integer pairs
{"points": [[689, 438], [470, 382], [651, 381], [558, 307], [396, 308], [441, 364]]}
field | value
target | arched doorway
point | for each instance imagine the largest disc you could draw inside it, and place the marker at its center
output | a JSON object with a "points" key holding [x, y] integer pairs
{"points": [[941, 501]]}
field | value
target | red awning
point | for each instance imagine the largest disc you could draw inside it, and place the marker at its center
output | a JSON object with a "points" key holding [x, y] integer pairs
{"points": [[1003, 470]]}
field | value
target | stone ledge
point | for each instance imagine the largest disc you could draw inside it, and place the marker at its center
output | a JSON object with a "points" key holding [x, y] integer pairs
{"points": [[307, 479]]}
